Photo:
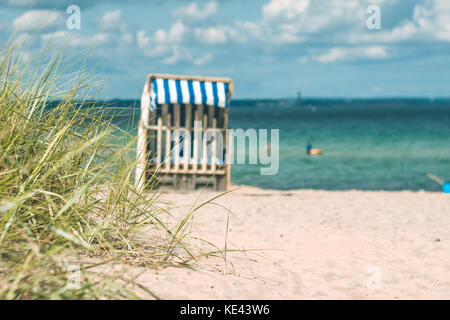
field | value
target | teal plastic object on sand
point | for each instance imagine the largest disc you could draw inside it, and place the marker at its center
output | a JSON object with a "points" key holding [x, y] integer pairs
{"points": [[446, 187]]}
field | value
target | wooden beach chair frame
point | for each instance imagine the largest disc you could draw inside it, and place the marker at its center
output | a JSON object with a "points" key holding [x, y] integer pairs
{"points": [[157, 157]]}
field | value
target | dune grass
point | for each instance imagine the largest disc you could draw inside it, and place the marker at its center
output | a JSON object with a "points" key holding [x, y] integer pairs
{"points": [[68, 207]]}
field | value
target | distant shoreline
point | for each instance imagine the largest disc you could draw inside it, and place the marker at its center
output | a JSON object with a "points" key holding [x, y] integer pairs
{"points": [[263, 190], [305, 100]]}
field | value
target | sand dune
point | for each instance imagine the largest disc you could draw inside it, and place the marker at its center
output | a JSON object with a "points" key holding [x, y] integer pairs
{"points": [[316, 245]]}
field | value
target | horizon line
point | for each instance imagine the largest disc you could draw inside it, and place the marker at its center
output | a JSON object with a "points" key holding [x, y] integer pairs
{"points": [[438, 98]]}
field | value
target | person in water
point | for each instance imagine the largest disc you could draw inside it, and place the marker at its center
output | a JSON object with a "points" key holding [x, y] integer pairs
{"points": [[312, 151], [308, 148]]}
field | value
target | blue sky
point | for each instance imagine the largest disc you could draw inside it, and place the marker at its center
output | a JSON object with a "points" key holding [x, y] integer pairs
{"points": [[270, 48]]}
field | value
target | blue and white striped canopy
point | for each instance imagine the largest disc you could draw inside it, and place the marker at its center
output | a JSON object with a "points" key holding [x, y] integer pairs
{"points": [[170, 91]]}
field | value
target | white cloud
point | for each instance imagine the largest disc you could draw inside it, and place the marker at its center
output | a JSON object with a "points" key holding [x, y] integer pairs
{"points": [[39, 19], [19, 3], [240, 32], [142, 39], [176, 34], [111, 21], [303, 59], [350, 54], [171, 46], [53, 35], [127, 38], [100, 38], [245, 30], [178, 55], [338, 23], [203, 59], [150, 48], [297, 21], [430, 21], [212, 35], [286, 8], [76, 40], [164, 43], [193, 12]]}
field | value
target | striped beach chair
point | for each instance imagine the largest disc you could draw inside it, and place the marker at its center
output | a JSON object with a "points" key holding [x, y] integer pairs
{"points": [[182, 138]]}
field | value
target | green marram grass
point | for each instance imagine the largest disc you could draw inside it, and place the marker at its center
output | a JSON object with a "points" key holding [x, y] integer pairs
{"points": [[66, 194]]}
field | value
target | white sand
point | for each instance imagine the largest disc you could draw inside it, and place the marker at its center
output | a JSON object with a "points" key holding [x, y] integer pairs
{"points": [[316, 245]]}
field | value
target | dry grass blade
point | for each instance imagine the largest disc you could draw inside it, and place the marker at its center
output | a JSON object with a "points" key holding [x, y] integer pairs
{"points": [[66, 193]]}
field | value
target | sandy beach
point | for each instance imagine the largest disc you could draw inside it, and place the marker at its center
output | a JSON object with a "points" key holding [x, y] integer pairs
{"points": [[307, 244]]}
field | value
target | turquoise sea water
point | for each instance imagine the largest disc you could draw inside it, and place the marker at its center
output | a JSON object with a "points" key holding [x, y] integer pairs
{"points": [[368, 145]]}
